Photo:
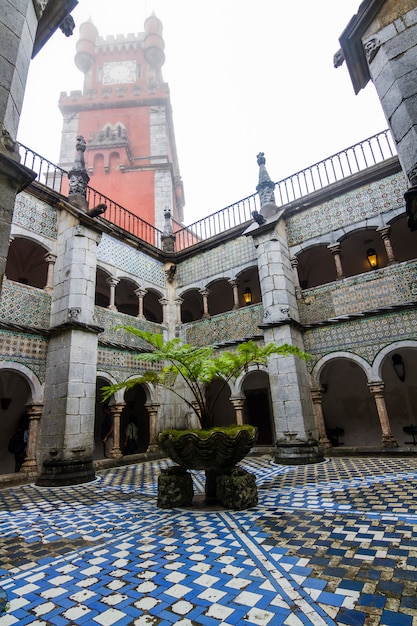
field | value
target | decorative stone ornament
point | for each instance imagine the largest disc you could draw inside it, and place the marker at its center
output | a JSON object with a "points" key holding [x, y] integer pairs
{"points": [[78, 177], [265, 189]]}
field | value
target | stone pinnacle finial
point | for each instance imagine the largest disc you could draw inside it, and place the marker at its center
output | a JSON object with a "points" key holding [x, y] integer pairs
{"points": [[265, 188], [78, 177], [168, 237]]}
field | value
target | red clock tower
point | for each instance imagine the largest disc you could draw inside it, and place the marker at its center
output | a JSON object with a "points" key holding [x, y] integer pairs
{"points": [[124, 114]]}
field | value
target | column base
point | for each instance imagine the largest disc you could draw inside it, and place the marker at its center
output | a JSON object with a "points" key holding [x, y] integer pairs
{"points": [[59, 473], [388, 441], [297, 452]]}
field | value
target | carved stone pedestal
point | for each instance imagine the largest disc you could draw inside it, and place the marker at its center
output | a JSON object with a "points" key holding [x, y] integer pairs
{"points": [[60, 473], [237, 489], [297, 452], [175, 488]]}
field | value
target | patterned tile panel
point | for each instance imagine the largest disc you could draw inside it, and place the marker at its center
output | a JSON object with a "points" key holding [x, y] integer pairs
{"points": [[26, 349], [224, 259], [332, 543], [135, 262], [231, 326], [365, 337], [121, 364], [23, 305], [110, 320], [356, 205], [35, 215], [391, 285]]}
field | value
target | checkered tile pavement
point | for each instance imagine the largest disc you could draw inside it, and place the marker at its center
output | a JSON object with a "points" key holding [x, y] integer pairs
{"points": [[332, 543]]}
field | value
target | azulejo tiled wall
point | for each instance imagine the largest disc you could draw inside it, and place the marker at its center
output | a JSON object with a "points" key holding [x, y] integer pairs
{"points": [[135, 262], [110, 320], [235, 325], [26, 349], [35, 215], [224, 259], [24, 306], [120, 364], [364, 337], [354, 206], [385, 287]]}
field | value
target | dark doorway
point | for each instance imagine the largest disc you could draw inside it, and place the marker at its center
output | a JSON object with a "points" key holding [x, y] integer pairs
{"points": [[258, 414]]}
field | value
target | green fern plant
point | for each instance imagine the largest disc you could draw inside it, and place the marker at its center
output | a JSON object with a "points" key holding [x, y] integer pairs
{"points": [[197, 367]]}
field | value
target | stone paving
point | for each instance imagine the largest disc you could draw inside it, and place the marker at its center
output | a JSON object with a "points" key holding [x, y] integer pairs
{"points": [[332, 543]]}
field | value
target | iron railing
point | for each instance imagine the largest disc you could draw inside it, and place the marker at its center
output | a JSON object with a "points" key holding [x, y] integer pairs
{"points": [[56, 178], [350, 161], [313, 178]]}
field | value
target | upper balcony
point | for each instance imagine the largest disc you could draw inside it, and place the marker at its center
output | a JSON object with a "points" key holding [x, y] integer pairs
{"points": [[310, 180]]}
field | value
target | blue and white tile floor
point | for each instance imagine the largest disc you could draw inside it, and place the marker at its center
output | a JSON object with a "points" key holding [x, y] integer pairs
{"points": [[333, 543]]}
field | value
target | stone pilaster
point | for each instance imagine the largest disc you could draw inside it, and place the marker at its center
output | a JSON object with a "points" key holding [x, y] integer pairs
{"points": [[289, 379], [67, 432]]}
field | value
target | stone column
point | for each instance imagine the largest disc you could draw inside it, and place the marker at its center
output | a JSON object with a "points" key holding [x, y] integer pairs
{"points": [[384, 232], [294, 265], [50, 259], [140, 293], [112, 282], [178, 303], [238, 403], [153, 434], [116, 411], [377, 390], [335, 250], [34, 413], [205, 294], [317, 397], [164, 303], [235, 286]]}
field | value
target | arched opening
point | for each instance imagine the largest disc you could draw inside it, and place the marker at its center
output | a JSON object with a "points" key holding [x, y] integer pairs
{"points": [[220, 298], [102, 297], [152, 308], [114, 161], [26, 263], [192, 306], [223, 412], [315, 267], [249, 280], [349, 409], [14, 395], [399, 373], [354, 251], [135, 412], [98, 164], [258, 408], [126, 300]]}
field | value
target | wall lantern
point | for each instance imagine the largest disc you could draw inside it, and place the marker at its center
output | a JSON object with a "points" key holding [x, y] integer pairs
{"points": [[398, 366], [247, 296], [372, 258]]}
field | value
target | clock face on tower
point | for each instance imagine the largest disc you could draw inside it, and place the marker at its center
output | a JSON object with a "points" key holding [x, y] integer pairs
{"points": [[118, 72]]}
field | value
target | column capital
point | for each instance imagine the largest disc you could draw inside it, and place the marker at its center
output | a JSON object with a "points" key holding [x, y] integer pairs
{"points": [[113, 282], [376, 387]]}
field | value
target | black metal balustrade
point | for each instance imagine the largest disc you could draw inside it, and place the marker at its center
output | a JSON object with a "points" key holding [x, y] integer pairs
{"points": [[346, 163]]}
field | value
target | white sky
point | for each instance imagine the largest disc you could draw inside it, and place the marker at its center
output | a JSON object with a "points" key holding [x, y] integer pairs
{"points": [[244, 76]]}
